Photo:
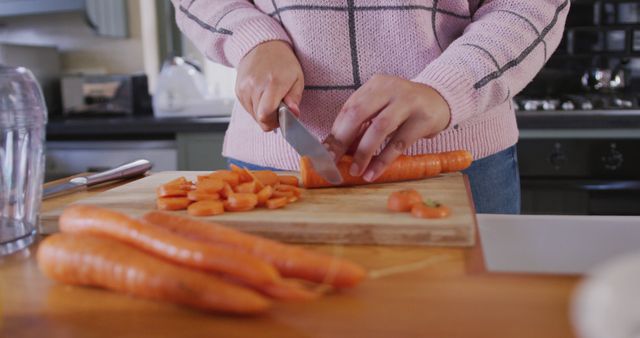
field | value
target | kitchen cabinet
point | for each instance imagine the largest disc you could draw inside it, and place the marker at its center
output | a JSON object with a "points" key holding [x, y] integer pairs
{"points": [[200, 151], [107, 18]]}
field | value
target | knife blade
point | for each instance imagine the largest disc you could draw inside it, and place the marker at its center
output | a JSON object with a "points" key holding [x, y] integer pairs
{"points": [[307, 145], [127, 170]]}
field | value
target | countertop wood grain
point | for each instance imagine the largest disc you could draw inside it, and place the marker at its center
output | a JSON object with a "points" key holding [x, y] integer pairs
{"points": [[446, 293]]}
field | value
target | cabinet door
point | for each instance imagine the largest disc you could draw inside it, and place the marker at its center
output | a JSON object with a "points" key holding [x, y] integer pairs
{"points": [[200, 151]]}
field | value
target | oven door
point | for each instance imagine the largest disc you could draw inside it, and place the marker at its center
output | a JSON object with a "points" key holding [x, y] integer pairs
{"points": [[580, 197]]}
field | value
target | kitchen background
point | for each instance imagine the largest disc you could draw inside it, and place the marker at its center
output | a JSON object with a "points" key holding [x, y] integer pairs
{"points": [[115, 93]]}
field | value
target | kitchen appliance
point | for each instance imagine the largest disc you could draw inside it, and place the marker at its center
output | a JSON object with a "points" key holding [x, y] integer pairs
{"points": [[44, 64], [307, 145], [105, 95], [23, 117], [354, 215], [579, 171], [182, 91], [127, 170]]}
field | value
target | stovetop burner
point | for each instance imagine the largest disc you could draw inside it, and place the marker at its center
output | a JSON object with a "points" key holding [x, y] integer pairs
{"points": [[578, 102]]}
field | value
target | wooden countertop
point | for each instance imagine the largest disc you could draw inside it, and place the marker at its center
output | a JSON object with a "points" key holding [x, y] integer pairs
{"points": [[447, 293]]}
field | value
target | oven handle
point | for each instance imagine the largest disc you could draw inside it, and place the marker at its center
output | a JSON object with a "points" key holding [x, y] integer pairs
{"points": [[584, 185]]}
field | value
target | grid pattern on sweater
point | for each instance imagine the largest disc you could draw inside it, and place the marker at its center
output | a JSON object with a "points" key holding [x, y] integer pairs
{"points": [[350, 8], [479, 55]]}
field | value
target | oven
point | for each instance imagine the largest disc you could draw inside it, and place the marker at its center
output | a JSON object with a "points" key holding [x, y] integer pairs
{"points": [[581, 173]]}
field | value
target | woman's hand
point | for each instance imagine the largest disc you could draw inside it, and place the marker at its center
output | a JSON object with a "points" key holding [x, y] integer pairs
{"points": [[267, 75], [386, 107]]}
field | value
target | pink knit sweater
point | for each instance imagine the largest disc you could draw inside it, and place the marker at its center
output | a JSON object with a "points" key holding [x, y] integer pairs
{"points": [[476, 53]]}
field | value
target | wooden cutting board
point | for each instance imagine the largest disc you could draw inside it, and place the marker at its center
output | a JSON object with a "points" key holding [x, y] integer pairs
{"points": [[353, 215]]}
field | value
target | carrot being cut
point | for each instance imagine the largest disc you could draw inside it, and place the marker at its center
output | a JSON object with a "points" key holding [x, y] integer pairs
{"points": [[291, 261], [456, 160], [402, 169], [81, 259], [403, 200], [172, 203], [206, 208], [170, 246]]}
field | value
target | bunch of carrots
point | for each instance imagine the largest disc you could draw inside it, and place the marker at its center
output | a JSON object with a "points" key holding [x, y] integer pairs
{"points": [[237, 189], [182, 260]]}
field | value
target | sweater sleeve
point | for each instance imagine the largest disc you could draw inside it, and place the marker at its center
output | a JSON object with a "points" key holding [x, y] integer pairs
{"points": [[497, 55], [226, 30]]}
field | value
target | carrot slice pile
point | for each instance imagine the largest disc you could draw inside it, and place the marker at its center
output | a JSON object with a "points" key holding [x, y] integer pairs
{"points": [[238, 189]]}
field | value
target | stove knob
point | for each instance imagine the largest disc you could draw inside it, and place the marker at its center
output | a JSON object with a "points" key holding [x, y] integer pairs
{"points": [[586, 105], [530, 105], [620, 103], [557, 157], [568, 105], [548, 105], [613, 159]]}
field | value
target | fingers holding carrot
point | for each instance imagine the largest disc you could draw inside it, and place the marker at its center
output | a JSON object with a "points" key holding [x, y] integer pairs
{"points": [[395, 108]]}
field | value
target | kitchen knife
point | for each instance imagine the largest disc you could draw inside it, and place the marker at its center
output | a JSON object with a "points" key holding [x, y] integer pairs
{"points": [[132, 169], [307, 145]]}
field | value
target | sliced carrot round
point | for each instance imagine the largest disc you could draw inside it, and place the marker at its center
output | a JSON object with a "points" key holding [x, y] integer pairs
{"points": [[264, 194], [172, 203], [241, 202], [226, 175], [243, 174], [247, 187], [206, 208], [280, 193], [226, 191], [288, 180], [278, 202], [403, 200], [430, 210], [285, 187], [266, 177], [199, 195], [211, 185], [171, 191]]}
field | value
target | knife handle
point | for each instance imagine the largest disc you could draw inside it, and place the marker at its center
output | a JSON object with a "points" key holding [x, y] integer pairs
{"points": [[132, 169]]}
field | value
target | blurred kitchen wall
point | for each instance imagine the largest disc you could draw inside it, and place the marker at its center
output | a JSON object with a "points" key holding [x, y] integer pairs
{"points": [[82, 50]]}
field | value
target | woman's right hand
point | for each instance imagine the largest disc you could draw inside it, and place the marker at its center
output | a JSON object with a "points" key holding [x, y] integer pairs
{"points": [[268, 74]]}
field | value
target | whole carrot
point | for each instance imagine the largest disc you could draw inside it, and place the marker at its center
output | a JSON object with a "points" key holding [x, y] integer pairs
{"points": [[404, 168], [291, 261], [82, 259], [170, 246]]}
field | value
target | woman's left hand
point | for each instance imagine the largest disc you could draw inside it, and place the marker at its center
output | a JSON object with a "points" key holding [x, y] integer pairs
{"points": [[386, 107]]}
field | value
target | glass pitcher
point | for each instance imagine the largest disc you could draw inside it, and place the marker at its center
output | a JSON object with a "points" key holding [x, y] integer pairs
{"points": [[23, 116]]}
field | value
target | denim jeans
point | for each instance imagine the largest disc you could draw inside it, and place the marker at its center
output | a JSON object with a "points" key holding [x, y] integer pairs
{"points": [[495, 183], [494, 180]]}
